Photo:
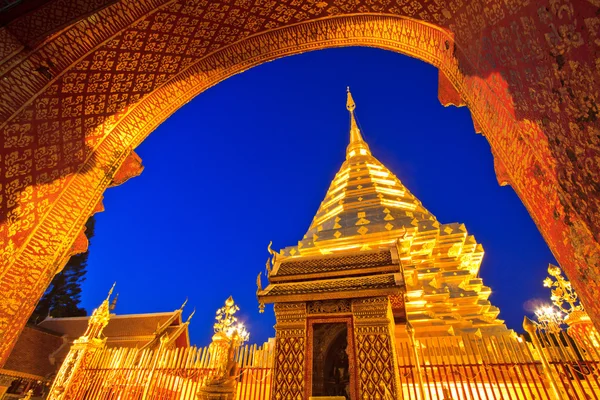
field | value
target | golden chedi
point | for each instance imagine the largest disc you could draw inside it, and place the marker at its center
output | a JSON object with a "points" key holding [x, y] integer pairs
{"points": [[372, 260], [367, 208]]}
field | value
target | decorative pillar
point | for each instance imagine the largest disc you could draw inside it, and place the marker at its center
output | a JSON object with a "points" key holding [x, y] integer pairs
{"points": [[290, 351], [81, 351], [375, 349]]}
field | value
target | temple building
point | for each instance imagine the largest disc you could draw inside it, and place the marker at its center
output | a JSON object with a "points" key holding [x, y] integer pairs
{"points": [[42, 348], [373, 257]]}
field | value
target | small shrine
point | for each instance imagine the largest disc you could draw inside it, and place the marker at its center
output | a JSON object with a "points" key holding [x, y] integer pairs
{"points": [[229, 335]]}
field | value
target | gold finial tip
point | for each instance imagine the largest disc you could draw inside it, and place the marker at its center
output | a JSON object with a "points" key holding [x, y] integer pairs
{"points": [[113, 305], [184, 303], [110, 292], [190, 316], [350, 101]]}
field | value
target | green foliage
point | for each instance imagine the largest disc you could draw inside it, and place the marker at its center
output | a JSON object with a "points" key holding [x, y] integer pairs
{"points": [[63, 296]]}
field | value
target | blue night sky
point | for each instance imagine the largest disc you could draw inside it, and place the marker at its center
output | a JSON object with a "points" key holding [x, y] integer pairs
{"points": [[250, 160]]}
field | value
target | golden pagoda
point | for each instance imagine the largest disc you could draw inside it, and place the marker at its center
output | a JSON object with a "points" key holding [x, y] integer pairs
{"points": [[373, 261]]}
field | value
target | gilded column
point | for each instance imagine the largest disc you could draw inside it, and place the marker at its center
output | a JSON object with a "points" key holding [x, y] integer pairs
{"points": [[377, 364], [290, 351]]}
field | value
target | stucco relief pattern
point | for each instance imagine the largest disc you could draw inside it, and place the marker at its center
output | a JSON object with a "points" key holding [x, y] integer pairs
{"points": [[73, 107], [290, 351], [377, 365]]}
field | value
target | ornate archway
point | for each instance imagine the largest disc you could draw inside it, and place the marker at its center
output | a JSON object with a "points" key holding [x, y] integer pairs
{"points": [[80, 90]]}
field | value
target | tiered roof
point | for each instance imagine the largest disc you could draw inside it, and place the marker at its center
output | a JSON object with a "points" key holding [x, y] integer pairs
{"points": [[335, 276], [30, 358], [132, 330]]}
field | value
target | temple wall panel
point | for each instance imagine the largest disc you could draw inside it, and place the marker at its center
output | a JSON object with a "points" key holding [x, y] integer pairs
{"points": [[377, 364], [290, 351]]}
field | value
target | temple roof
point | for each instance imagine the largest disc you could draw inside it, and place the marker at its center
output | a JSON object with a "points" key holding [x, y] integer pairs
{"points": [[41, 348], [119, 326], [339, 276], [132, 330], [338, 288], [331, 266], [30, 358]]}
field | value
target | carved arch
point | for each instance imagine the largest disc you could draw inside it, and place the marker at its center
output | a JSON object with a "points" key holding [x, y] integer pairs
{"points": [[489, 104]]}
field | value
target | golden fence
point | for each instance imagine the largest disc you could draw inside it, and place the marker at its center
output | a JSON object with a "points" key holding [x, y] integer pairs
{"points": [[549, 366], [498, 368], [176, 374], [574, 362]]}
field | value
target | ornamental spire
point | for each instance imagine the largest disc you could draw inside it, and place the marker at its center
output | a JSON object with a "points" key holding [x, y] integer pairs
{"points": [[357, 145]]}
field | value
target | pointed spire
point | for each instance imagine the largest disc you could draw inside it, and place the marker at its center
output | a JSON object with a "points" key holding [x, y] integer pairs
{"points": [[357, 145], [113, 305], [99, 319], [110, 292], [190, 316], [183, 305]]}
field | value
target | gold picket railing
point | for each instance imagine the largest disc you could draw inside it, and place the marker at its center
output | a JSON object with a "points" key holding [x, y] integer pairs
{"points": [[176, 374], [498, 368], [550, 366], [256, 371], [574, 364]]}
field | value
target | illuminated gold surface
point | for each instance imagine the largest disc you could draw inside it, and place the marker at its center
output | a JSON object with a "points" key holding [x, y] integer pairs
{"points": [[227, 323], [549, 319], [367, 212], [562, 291], [371, 245], [229, 335]]}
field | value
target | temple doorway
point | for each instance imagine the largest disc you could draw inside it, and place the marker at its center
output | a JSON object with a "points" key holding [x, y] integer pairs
{"points": [[331, 361]]}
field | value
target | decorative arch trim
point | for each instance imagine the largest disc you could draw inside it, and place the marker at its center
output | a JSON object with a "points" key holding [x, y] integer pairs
{"points": [[487, 98]]}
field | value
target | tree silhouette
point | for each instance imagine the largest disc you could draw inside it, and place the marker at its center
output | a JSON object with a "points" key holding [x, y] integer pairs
{"points": [[63, 296]]}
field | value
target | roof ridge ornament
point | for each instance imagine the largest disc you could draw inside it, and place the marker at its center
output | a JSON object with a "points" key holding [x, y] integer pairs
{"points": [[357, 146], [113, 304], [183, 305]]}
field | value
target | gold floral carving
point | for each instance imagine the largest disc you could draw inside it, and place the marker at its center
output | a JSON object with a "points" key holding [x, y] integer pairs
{"points": [[329, 307], [375, 348]]}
